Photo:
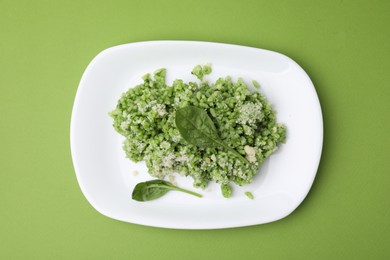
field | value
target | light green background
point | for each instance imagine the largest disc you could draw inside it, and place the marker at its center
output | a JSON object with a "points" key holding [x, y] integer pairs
{"points": [[44, 48]]}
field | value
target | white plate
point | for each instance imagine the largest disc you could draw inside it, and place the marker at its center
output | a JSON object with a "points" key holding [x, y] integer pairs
{"points": [[105, 175]]}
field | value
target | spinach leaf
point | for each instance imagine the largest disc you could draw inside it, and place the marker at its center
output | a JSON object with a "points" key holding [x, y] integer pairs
{"points": [[151, 190], [197, 128]]}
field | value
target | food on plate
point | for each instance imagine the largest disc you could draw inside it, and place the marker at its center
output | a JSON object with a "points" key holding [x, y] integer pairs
{"points": [[220, 131]]}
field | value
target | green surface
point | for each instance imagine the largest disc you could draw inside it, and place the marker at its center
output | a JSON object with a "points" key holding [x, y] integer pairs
{"points": [[46, 45]]}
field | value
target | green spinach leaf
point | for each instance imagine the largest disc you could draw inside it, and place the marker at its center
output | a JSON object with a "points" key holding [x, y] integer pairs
{"points": [[197, 128], [151, 190]]}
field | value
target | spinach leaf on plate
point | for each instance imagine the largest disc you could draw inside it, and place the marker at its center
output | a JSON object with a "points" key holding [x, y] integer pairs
{"points": [[151, 190], [197, 128]]}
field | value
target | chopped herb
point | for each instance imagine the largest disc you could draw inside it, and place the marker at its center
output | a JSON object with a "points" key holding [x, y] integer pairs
{"points": [[198, 72], [206, 69], [249, 195], [255, 84], [226, 190]]}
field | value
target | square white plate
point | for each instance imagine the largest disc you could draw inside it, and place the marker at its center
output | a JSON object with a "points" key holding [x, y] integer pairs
{"points": [[105, 175]]}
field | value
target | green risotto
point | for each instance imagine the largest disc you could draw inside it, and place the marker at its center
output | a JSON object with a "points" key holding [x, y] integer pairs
{"points": [[244, 120]]}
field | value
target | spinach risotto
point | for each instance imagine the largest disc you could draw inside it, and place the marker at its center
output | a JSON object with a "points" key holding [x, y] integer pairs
{"points": [[219, 131]]}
